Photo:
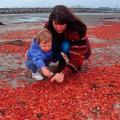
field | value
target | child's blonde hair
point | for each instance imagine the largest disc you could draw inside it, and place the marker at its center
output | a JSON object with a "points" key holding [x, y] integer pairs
{"points": [[44, 35]]}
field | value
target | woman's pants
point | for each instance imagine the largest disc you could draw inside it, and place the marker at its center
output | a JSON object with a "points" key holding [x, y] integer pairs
{"points": [[64, 47]]}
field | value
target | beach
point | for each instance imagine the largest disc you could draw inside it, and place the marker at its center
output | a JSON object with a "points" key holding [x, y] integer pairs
{"points": [[91, 94]]}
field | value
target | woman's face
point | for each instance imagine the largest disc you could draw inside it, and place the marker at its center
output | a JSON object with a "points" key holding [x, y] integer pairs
{"points": [[59, 27]]}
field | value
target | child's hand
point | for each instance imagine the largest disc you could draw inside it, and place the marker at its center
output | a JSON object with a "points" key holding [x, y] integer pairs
{"points": [[46, 72]]}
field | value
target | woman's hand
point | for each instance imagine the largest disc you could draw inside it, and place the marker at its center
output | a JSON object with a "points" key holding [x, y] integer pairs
{"points": [[59, 77], [46, 72]]}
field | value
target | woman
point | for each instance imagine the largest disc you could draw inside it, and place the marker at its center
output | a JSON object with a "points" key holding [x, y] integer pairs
{"points": [[69, 37]]}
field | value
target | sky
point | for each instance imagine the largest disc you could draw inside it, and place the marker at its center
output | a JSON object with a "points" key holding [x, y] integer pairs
{"points": [[52, 3]]}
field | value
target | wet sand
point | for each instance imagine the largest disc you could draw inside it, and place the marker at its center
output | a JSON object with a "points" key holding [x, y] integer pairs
{"points": [[22, 21]]}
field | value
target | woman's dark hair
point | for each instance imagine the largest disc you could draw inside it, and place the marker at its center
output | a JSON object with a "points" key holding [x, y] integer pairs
{"points": [[61, 14]]}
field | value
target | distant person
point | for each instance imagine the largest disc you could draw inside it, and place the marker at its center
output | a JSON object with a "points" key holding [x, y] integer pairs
{"points": [[69, 37]]}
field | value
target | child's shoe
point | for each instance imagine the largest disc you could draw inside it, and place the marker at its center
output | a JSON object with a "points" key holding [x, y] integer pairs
{"points": [[37, 76]]}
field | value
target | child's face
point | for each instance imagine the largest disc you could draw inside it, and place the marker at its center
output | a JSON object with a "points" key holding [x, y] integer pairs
{"points": [[46, 46]]}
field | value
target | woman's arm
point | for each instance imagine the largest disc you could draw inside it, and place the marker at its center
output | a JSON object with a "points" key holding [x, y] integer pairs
{"points": [[46, 72], [58, 77]]}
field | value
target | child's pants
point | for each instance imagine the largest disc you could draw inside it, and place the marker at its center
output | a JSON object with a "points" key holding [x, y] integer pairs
{"points": [[30, 65]]}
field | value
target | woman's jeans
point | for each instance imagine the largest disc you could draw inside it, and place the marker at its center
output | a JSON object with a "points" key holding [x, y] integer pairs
{"points": [[30, 65], [58, 48], [64, 47]]}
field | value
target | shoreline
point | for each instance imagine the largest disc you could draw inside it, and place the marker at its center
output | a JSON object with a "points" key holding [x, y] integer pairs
{"points": [[88, 18]]}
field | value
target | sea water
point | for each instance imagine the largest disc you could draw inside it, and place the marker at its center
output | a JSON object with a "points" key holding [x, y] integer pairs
{"points": [[42, 17]]}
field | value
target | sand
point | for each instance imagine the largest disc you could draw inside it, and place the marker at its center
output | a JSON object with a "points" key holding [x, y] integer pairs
{"points": [[13, 59]]}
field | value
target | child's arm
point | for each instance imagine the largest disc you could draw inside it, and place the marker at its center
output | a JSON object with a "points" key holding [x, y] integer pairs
{"points": [[46, 72]]}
